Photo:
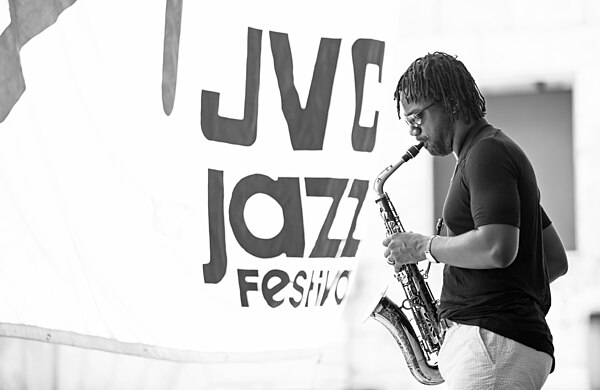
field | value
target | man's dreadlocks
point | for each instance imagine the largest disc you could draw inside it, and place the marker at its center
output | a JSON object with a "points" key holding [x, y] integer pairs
{"points": [[444, 79]]}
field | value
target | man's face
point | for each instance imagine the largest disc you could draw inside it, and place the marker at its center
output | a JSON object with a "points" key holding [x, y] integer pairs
{"points": [[430, 124]]}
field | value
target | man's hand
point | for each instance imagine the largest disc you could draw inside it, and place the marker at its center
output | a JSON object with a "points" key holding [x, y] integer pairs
{"points": [[405, 248]]}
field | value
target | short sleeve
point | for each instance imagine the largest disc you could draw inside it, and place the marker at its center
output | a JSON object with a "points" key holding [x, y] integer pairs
{"points": [[492, 179]]}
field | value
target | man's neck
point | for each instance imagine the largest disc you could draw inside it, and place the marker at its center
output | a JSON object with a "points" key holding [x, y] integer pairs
{"points": [[461, 130]]}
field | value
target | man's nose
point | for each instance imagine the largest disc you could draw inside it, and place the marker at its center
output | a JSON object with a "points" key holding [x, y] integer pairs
{"points": [[415, 131]]}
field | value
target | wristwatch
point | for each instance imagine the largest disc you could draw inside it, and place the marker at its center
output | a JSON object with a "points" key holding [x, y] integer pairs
{"points": [[428, 255]]}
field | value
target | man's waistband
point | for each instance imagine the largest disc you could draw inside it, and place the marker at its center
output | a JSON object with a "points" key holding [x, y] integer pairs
{"points": [[447, 324]]}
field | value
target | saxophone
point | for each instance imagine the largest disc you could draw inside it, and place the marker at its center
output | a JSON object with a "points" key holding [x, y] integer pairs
{"points": [[420, 347]]}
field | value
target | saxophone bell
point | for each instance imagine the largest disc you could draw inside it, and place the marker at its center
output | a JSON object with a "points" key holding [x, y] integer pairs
{"points": [[419, 362]]}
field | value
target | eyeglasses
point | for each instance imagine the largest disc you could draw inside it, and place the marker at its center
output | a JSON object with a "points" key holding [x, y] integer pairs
{"points": [[414, 119]]}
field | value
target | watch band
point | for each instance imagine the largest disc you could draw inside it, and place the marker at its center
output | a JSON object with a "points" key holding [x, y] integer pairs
{"points": [[428, 255]]}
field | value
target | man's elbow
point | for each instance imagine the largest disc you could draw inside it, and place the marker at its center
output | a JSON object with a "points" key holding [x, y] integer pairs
{"points": [[555, 254], [503, 257], [557, 268], [501, 244], [563, 266]]}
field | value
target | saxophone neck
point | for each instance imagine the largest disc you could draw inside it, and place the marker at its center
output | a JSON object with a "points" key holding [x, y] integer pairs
{"points": [[387, 172]]}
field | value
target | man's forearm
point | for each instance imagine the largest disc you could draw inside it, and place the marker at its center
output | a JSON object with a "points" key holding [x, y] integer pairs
{"points": [[490, 246]]}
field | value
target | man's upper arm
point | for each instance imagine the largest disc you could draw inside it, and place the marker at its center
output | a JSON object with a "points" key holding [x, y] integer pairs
{"points": [[502, 242]]}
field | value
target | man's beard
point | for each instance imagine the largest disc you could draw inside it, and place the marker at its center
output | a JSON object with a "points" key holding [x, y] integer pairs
{"points": [[441, 143]]}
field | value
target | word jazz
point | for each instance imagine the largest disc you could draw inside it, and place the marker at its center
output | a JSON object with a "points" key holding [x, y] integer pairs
{"points": [[290, 241]]}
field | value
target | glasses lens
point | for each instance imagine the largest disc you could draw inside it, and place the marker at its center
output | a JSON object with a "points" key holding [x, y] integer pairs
{"points": [[413, 120]]}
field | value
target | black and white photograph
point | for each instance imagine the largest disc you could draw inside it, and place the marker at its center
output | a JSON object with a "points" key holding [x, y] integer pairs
{"points": [[299, 195]]}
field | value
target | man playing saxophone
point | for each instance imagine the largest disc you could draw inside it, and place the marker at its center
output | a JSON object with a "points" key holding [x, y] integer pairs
{"points": [[501, 250]]}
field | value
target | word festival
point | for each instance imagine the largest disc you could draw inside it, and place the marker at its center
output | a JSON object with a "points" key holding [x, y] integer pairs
{"points": [[308, 290]]}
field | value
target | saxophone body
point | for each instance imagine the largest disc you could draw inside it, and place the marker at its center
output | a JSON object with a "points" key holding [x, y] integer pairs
{"points": [[421, 346]]}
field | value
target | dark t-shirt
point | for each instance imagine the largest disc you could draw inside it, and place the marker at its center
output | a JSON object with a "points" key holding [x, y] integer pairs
{"points": [[494, 183]]}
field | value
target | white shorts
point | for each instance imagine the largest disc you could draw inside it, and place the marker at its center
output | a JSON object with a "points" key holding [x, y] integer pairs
{"points": [[473, 358]]}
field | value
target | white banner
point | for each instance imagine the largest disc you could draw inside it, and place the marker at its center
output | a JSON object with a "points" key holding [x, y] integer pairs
{"points": [[194, 177]]}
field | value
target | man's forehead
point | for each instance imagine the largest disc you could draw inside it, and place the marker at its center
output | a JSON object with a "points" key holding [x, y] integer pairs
{"points": [[409, 105]]}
